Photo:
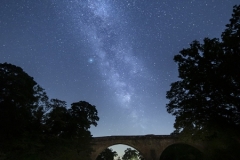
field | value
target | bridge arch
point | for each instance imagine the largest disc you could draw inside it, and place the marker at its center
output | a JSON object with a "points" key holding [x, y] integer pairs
{"points": [[182, 150], [150, 146], [120, 148], [113, 141], [195, 145]]}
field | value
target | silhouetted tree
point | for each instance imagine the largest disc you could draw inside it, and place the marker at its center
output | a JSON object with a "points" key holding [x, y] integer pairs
{"points": [[70, 129], [206, 99], [22, 103], [107, 154], [57, 118], [130, 154], [19, 97], [32, 127], [82, 116]]}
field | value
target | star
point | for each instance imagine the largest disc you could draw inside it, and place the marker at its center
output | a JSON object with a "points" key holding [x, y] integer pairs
{"points": [[90, 60], [116, 55]]}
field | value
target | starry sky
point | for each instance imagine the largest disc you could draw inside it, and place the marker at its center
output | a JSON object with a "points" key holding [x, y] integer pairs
{"points": [[114, 54]]}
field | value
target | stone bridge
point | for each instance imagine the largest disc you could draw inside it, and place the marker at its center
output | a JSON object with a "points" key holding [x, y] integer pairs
{"points": [[150, 146]]}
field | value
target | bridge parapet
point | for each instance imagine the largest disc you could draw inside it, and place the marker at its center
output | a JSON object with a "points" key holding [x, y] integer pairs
{"points": [[124, 137]]}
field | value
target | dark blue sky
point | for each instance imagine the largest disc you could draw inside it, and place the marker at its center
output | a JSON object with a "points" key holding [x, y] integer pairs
{"points": [[114, 54]]}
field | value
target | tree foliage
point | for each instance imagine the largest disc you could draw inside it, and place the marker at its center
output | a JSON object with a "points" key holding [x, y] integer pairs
{"points": [[206, 99], [132, 154], [107, 154], [19, 95], [34, 127]]}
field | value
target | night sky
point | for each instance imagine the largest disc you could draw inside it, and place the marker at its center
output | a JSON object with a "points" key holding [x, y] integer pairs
{"points": [[114, 54]]}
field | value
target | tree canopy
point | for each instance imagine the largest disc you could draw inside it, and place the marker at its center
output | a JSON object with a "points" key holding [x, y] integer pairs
{"points": [[34, 127], [107, 154], [132, 154], [19, 99], [206, 98]]}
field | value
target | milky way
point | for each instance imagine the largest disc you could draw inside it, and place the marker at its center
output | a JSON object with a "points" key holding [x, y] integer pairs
{"points": [[114, 54], [119, 67]]}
